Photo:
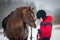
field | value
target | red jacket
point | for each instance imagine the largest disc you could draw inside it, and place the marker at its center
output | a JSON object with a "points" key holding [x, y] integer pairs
{"points": [[47, 28]]}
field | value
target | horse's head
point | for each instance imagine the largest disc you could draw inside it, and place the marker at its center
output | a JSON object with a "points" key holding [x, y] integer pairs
{"points": [[28, 16]]}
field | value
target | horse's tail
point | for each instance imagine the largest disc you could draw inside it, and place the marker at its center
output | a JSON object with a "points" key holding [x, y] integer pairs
{"points": [[4, 23]]}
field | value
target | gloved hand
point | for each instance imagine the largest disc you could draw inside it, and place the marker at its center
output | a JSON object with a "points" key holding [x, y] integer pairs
{"points": [[39, 31]]}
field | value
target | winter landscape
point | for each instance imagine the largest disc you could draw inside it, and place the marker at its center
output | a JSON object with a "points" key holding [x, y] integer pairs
{"points": [[52, 8], [55, 33]]}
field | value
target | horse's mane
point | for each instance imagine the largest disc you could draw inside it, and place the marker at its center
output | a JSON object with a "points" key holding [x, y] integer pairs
{"points": [[17, 12]]}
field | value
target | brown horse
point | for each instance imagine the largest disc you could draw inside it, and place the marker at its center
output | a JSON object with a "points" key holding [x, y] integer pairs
{"points": [[16, 24]]}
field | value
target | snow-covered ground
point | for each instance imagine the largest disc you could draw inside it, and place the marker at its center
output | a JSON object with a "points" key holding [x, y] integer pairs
{"points": [[55, 33]]}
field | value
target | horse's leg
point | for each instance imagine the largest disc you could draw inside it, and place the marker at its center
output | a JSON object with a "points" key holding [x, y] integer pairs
{"points": [[20, 38], [26, 38], [14, 39], [11, 39]]}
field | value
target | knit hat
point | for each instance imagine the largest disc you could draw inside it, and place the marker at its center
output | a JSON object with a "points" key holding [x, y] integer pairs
{"points": [[41, 13]]}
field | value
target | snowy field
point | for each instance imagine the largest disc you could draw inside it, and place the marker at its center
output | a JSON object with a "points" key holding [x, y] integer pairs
{"points": [[55, 33]]}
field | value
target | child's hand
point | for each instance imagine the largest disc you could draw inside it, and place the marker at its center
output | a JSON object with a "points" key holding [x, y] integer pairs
{"points": [[39, 31]]}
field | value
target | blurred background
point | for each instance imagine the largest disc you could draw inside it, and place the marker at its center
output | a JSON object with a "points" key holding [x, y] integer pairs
{"points": [[52, 7]]}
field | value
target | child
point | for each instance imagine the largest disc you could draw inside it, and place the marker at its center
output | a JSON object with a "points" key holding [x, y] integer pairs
{"points": [[45, 29]]}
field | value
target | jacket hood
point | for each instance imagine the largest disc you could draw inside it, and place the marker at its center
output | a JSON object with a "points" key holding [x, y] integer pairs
{"points": [[48, 19]]}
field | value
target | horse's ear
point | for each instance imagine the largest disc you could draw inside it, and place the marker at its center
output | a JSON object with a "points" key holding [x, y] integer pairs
{"points": [[32, 8], [29, 8]]}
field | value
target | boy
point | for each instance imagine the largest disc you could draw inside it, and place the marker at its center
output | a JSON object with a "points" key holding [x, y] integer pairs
{"points": [[45, 29]]}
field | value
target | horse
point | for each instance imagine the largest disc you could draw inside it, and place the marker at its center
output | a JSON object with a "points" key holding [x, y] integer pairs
{"points": [[15, 25]]}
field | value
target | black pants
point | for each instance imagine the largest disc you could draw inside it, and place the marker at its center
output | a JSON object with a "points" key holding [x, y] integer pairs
{"points": [[45, 38]]}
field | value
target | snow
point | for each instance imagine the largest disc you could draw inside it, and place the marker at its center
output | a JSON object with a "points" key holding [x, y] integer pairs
{"points": [[55, 33]]}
